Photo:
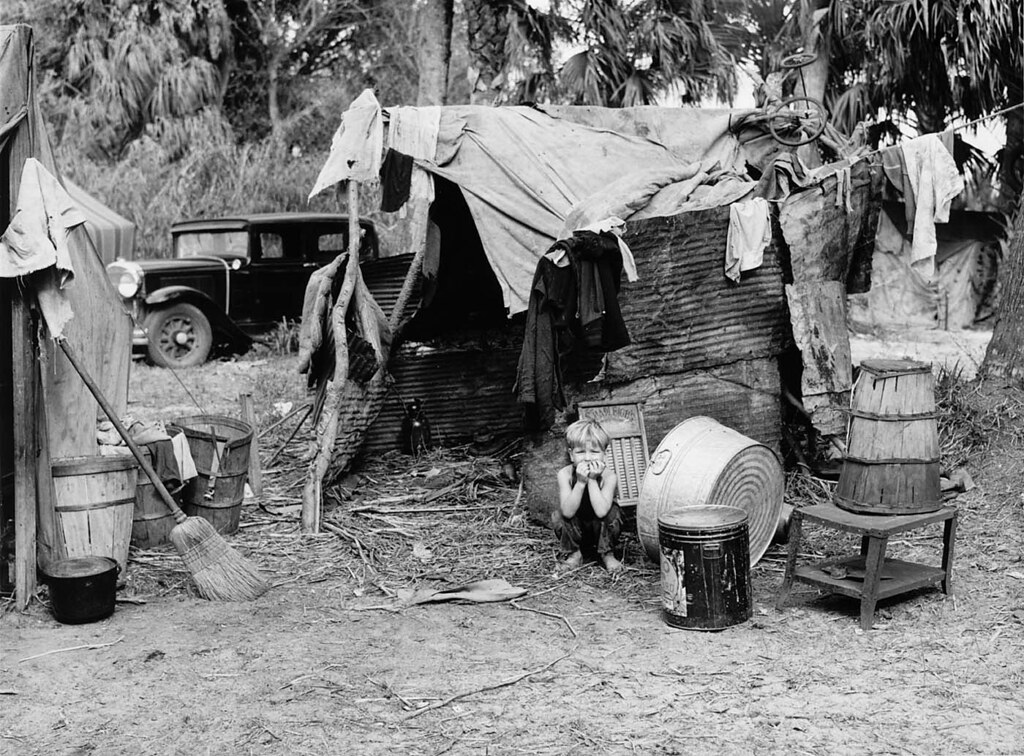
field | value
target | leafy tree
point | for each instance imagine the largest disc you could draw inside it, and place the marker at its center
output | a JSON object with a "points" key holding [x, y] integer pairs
{"points": [[928, 63], [635, 51], [113, 69], [631, 52], [510, 46], [284, 43]]}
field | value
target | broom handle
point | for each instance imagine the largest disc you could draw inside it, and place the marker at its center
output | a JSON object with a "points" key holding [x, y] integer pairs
{"points": [[147, 468]]}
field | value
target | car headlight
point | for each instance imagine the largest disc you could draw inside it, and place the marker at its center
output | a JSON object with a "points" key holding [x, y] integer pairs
{"points": [[126, 277]]}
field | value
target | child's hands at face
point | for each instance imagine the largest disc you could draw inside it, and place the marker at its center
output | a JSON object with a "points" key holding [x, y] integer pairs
{"points": [[589, 469]]}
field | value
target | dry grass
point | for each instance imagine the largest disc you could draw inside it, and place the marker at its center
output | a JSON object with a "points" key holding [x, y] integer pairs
{"points": [[452, 516], [446, 518]]}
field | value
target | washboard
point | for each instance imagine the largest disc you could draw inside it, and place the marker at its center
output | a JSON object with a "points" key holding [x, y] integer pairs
{"points": [[624, 422]]}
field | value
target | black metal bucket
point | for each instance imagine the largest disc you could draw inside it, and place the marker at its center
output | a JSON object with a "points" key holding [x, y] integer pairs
{"points": [[705, 567], [82, 589]]}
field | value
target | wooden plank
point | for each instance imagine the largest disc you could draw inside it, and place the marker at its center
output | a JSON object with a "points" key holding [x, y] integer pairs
{"points": [[817, 312], [15, 73], [834, 517], [25, 446], [100, 333], [248, 408], [50, 544]]}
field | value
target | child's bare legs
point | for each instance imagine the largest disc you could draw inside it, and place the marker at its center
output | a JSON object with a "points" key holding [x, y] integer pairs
{"points": [[569, 538], [608, 538], [574, 533], [611, 564]]}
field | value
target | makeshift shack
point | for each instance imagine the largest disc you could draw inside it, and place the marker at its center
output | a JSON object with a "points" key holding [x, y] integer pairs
{"points": [[47, 413], [506, 183]]}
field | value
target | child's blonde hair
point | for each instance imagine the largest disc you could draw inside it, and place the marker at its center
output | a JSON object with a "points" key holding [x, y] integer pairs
{"points": [[584, 432]]}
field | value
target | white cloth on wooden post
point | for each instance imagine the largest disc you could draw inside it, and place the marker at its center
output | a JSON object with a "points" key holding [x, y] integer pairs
{"points": [[356, 147], [36, 241]]}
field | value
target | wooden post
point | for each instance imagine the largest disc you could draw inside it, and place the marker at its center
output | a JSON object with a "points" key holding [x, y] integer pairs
{"points": [[327, 426], [249, 416], [353, 219], [16, 94], [26, 445]]}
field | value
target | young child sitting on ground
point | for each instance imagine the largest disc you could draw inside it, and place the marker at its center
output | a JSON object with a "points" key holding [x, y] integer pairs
{"points": [[587, 517]]}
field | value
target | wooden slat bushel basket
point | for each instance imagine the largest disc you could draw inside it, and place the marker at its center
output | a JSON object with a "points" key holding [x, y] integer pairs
{"points": [[892, 460]]}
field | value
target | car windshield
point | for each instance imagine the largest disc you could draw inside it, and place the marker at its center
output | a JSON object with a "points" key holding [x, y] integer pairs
{"points": [[219, 243]]}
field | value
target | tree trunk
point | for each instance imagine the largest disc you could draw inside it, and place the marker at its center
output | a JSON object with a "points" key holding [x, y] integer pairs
{"points": [[434, 51], [487, 26], [1004, 358], [273, 103], [1011, 167], [812, 79]]}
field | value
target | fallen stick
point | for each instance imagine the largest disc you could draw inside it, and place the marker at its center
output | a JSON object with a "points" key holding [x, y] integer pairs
{"points": [[548, 614], [72, 648], [416, 510], [293, 413], [288, 440], [505, 684], [392, 692], [345, 534]]}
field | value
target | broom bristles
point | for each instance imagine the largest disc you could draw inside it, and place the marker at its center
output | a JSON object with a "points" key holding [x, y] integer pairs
{"points": [[219, 572]]}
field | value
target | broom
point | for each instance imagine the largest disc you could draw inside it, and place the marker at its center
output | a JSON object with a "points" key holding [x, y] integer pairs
{"points": [[219, 572]]}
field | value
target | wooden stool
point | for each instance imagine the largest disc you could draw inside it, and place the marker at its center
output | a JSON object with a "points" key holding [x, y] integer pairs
{"points": [[868, 576]]}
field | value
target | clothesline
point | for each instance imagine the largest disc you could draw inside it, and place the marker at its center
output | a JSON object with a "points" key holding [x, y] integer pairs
{"points": [[951, 128]]}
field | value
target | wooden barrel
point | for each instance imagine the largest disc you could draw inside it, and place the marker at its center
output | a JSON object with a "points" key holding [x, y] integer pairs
{"points": [[892, 449], [220, 449], [702, 462], [95, 497], [705, 568], [152, 520]]}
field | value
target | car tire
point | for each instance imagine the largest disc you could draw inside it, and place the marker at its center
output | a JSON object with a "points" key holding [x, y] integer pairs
{"points": [[179, 336]]}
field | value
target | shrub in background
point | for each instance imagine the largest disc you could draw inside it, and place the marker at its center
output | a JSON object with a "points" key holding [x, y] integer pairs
{"points": [[198, 170]]}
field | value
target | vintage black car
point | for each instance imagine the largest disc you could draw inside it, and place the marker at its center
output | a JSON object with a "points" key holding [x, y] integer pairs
{"points": [[229, 279]]}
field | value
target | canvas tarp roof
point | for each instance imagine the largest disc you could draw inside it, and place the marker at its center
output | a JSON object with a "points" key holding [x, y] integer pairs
{"points": [[112, 235], [523, 169]]}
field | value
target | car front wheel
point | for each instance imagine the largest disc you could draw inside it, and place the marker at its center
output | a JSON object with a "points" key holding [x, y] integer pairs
{"points": [[179, 336]]}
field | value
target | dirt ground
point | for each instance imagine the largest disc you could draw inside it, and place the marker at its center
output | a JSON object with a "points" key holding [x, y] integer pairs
{"points": [[333, 660]]}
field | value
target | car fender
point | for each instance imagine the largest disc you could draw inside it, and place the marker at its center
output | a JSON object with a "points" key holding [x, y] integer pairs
{"points": [[218, 319]]}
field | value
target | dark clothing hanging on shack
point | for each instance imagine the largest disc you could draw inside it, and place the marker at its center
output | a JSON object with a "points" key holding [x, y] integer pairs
{"points": [[574, 302], [597, 263], [395, 181]]}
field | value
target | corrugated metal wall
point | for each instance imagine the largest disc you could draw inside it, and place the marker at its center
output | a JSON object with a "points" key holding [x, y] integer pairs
{"points": [[743, 395], [684, 314], [465, 389], [702, 345], [384, 279]]}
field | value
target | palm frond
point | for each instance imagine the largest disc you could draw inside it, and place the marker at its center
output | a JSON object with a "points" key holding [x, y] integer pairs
{"points": [[582, 77]]}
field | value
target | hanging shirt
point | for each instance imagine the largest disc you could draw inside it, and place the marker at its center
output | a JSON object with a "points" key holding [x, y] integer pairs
{"points": [[935, 181], [750, 233]]}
